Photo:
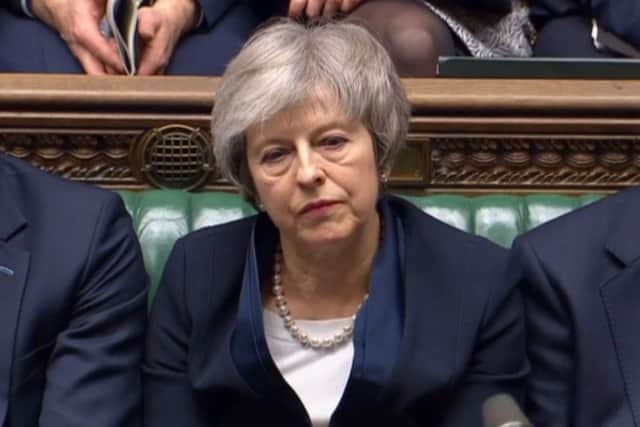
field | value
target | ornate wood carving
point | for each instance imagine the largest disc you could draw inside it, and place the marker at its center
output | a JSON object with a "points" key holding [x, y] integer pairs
{"points": [[97, 157], [465, 135], [536, 162]]}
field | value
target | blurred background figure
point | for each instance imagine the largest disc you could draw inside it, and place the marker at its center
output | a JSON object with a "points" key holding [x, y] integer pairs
{"points": [[566, 27], [196, 37], [73, 303], [417, 32]]}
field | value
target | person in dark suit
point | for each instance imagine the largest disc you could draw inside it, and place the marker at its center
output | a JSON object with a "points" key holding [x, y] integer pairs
{"points": [[72, 304], [565, 27], [580, 275], [179, 36], [336, 304]]}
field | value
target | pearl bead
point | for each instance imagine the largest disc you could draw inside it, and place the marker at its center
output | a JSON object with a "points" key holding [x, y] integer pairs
{"points": [[283, 309], [290, 323], [304, 338]]}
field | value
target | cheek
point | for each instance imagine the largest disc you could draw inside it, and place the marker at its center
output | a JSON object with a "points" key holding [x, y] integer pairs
{"points": [[274, 194], [365, 173], [362, 183]]}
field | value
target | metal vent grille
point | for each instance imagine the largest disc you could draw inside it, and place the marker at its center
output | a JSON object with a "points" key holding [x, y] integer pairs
{"points": [[175, 156]]}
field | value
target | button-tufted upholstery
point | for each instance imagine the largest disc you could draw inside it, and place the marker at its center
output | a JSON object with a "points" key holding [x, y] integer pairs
{"points": [[162, 216]]}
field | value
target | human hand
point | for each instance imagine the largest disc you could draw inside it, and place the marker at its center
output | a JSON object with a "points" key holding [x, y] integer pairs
{"points": [[78, 22], [317, 8], [160, 26]]}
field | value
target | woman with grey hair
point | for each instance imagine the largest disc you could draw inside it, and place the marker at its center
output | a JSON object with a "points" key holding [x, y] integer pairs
{"points": [[336, 304]]}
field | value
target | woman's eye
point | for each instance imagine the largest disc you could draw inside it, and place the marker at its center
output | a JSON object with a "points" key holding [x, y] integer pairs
{"points": [[333, 141], [273, 155]]}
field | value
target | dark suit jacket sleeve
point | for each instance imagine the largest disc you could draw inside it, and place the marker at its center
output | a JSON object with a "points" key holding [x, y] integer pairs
{"points": [[498, 363], [169, 397], [93, 375], [549, 342], [214, 10], [621, 17]]}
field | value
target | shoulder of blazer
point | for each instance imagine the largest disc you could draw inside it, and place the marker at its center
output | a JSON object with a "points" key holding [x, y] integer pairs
{"points": [[455, 257], [66, 203], [436, 232], [606, 223], [221, 234], [44, 184], [217, 251]]}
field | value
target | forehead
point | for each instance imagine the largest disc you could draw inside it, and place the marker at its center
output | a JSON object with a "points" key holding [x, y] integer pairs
{"points": [[309, 113]]}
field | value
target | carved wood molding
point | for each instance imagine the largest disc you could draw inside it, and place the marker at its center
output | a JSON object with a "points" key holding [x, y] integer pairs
{"points": [[100, 157], [465, 135], [583, 162]]}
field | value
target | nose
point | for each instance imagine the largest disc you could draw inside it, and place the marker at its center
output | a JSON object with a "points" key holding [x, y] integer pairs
{"points": [[310, 171]]}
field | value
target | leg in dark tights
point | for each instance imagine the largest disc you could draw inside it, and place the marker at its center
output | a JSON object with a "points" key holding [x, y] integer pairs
{"points": [[414, 36]]}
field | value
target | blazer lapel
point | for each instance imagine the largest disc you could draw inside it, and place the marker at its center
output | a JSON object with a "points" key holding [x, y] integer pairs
{"points": [[621, 298], [14, 266], [432, 310]]}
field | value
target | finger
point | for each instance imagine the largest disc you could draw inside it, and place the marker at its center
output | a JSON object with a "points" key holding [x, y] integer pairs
{"points": [[330, 8], [148, 23], [155, 56], [110, 71], [314, 8], [90, 63], [296, 7], [158, 44], [89, 38]]}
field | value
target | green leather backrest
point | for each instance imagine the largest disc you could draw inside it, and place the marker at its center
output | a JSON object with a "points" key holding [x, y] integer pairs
{"points": [[160, 217]]}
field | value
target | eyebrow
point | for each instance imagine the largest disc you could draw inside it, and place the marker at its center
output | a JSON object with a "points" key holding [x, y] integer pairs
{"points": [[341, 124]]}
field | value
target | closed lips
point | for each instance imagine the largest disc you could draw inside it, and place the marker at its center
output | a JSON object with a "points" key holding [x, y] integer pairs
{"points": [[316, 205]]}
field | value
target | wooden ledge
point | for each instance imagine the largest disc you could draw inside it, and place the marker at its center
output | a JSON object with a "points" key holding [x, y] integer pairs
{"points": [[466, 135]]}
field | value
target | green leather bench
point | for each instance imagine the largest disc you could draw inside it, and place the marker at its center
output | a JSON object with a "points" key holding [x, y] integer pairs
{"points": [[162, 216]]}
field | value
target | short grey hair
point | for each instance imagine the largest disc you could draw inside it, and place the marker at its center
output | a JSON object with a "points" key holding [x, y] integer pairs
{"points": [[285, 63]]}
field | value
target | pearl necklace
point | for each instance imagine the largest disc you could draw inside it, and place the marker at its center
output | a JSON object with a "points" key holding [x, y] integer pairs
{"points": [[299, 335]]}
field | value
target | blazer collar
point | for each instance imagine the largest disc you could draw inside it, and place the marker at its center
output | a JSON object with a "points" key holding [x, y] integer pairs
{"points": [[432, 302], [621, 292], [624, 238], [14, 267]]}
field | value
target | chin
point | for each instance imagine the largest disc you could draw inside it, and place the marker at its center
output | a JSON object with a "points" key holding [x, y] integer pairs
{"points": [[323, 237]]}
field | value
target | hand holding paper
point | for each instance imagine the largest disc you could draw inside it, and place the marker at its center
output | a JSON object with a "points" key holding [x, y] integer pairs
{"points": [[78, 22], [161, 26]]}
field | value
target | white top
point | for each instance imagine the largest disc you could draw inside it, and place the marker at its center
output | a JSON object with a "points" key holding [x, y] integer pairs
{"points": [[317, 376]]}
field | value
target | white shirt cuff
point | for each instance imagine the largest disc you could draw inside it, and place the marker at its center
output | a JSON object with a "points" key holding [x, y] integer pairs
{"points": [[26, 7]]}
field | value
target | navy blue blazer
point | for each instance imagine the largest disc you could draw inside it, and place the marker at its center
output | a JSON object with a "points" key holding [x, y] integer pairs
{"points": [[581, 282], [72, 304], [461, 339]]}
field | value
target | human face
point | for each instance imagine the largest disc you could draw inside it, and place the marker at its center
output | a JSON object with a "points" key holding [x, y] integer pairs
{"points": [[315, 173]]}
